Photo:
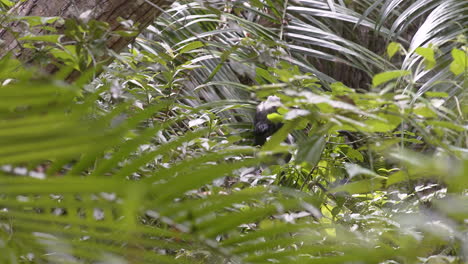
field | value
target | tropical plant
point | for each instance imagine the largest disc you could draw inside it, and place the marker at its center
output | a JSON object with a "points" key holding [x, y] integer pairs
{"points": [[131, 166]]}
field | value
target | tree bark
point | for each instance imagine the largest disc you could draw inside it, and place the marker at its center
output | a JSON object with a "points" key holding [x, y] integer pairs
{"points": [[142, 12]]}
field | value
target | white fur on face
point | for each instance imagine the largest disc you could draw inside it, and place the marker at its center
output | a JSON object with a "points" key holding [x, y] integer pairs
{"points": [[272, 101]]}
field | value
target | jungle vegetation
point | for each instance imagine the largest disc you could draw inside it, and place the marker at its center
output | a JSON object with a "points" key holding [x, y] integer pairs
{"points": [[146, 155]]}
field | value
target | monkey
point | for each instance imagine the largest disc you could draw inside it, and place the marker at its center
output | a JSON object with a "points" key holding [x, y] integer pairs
{"points": [[263, 127]]}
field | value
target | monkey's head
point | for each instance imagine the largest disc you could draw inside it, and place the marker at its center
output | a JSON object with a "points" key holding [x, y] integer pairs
{"points": [[263, 127]]}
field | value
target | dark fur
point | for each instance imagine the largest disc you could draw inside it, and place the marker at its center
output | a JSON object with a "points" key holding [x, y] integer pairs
{"points": [[263, 127]]}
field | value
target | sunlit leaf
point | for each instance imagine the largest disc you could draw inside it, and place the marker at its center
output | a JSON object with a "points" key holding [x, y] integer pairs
{"points": [[460, 61], [388, 76], [428, 55], [191, 46], [362, 186], [392, 49], [45, 38], [275, 117]]}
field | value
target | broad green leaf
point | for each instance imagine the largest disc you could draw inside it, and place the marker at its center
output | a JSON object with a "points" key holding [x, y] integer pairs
{"points": [[45, 38], [446, 124], [459, 64], [397, 177], [436, 94], [275, 117], [379, 126], [310, 150], [338, 88], [428, 55], [10, 68], [37, 20], [362, 186], [388, 76], [7, 3], [385, 123], [354, 154], [262, 73], [424, 111], [67, 55], [393, 48], [191, 46]]}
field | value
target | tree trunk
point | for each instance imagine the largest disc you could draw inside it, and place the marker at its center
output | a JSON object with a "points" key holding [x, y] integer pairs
{"points": [[141, 12]]}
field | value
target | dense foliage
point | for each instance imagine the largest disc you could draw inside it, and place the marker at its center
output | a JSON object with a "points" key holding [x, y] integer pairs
{"points": [[150, 159]]}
